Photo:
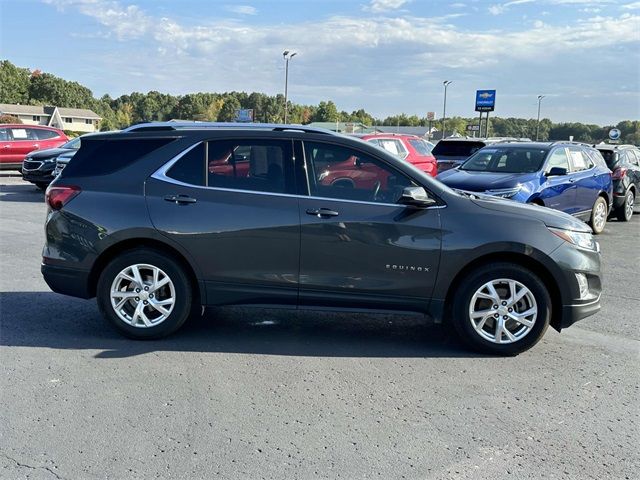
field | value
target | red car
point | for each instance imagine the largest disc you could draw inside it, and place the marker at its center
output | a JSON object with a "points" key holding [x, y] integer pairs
{"points": [[18, 140], [411, 148]]}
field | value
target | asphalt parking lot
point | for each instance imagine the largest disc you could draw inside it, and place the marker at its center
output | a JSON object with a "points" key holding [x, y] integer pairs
{"points": [[274, 394]]}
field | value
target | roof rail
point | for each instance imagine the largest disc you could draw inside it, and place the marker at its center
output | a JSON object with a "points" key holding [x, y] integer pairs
{"points": [[568, 141], [276, 127]]}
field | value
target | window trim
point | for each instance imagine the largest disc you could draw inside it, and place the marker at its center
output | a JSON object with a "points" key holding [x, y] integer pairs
{"points": [[161, 175]]}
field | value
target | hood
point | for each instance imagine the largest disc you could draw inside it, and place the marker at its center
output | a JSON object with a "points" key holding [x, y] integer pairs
{"points": [[550, 217], [47, 153], [481, 181]]}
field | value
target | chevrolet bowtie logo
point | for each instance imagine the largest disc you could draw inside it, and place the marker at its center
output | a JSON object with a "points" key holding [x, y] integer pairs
{"points": [[486, 95], [406, 268]]}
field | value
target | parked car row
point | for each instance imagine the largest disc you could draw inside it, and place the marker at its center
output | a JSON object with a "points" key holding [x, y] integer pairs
{"points": [[17, 140], [218, 214]]}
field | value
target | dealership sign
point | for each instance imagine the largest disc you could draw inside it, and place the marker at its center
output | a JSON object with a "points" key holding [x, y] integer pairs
{"points": [[431, 116], [614, 134], [473, 128], [485, 100]]}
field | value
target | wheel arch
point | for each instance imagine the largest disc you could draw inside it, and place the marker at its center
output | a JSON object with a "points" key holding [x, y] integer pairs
{"points": [[133, 243], [519, 259]]}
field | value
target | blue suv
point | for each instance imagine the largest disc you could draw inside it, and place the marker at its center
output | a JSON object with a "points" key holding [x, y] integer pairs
{"points": [[570, 177]]}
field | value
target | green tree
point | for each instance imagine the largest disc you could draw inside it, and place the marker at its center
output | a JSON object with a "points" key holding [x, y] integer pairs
{"points": [[326, 112], [14, 83], [228, 110]]}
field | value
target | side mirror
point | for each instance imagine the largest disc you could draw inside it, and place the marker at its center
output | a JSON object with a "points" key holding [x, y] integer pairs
{"points": [[416, 196], [556, 172]]}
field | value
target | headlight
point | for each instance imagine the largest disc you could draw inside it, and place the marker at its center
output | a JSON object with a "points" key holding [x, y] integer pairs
{"points": [[504, 192], [579, 239]]}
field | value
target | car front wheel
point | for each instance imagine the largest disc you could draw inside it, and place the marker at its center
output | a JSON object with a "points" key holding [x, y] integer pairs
{"points": [[501, 309], [144, 294]]}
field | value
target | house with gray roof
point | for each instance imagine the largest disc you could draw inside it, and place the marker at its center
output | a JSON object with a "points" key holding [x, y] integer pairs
{"points": [[73, 119]]}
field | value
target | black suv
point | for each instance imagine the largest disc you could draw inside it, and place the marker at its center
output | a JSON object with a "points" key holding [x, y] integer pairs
{"points": [[162, 219], [624, 162]]}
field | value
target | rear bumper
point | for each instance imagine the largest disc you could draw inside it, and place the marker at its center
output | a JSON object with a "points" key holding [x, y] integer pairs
{"points": [[67, 281]]}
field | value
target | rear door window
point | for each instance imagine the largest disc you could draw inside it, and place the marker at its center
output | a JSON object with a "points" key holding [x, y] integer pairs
{"points": [[259, 165], [20, 134], [579, 160], [393, 146]]}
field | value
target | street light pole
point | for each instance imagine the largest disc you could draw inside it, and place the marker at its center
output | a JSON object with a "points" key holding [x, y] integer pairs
{"points": [[446, 83], [540, 97], [287, 55]]}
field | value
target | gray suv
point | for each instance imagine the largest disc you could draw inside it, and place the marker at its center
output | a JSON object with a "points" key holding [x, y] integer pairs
{"points": [[162, 219]]}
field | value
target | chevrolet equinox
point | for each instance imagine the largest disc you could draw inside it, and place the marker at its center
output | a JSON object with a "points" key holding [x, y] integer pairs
{"points": [[162, 219]]}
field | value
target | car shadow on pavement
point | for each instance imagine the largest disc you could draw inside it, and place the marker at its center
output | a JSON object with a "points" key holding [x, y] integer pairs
{"points": [[21, 193], [49, 320]]}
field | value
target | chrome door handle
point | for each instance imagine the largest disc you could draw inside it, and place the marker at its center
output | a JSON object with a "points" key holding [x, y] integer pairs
{"points": [[180, 199], [322, 212]]}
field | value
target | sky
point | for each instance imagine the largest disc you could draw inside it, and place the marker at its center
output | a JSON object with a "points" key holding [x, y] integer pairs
{"points": [[386, 56]]}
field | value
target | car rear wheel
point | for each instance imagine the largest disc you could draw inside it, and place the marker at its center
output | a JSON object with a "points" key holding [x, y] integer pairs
{"points": [[625, 212], [599, 215], [144, 294], [501, 309]]}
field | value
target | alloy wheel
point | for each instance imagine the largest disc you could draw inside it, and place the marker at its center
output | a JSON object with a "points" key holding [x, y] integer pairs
{"points": [[503, 311], [628, 205], [142, 295], [599, 216]]}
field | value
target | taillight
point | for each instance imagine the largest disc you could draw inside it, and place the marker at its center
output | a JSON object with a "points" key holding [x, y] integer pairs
{"points": [[57, 197], [619, 173]]}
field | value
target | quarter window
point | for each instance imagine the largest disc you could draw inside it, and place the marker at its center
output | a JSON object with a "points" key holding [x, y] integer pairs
{"points": [[342, 173], [4, 135], [45, 134]]}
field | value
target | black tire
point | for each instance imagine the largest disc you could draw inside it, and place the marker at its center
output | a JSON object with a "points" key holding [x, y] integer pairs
{"points": [[598, 225], [182, 306], [42, 186], [473, 282], [623, 213]]}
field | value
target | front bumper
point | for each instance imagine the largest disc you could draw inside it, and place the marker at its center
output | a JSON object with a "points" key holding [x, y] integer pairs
{"points": [[576, 305], [41, 175], [572, 313], [67, 281]]}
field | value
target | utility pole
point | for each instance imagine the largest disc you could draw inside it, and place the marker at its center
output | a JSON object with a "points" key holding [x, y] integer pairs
{"points": [[540, 97], [287, 55], [446, 83]]}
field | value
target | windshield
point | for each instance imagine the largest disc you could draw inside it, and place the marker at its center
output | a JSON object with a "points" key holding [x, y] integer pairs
{"points": [[72, 144], [506, 160], [422, 147], [454, 148]]}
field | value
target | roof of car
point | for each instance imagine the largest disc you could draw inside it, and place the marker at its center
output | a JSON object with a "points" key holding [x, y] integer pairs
{"points": [[611, 146], [169, 126], [22, 125]]}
